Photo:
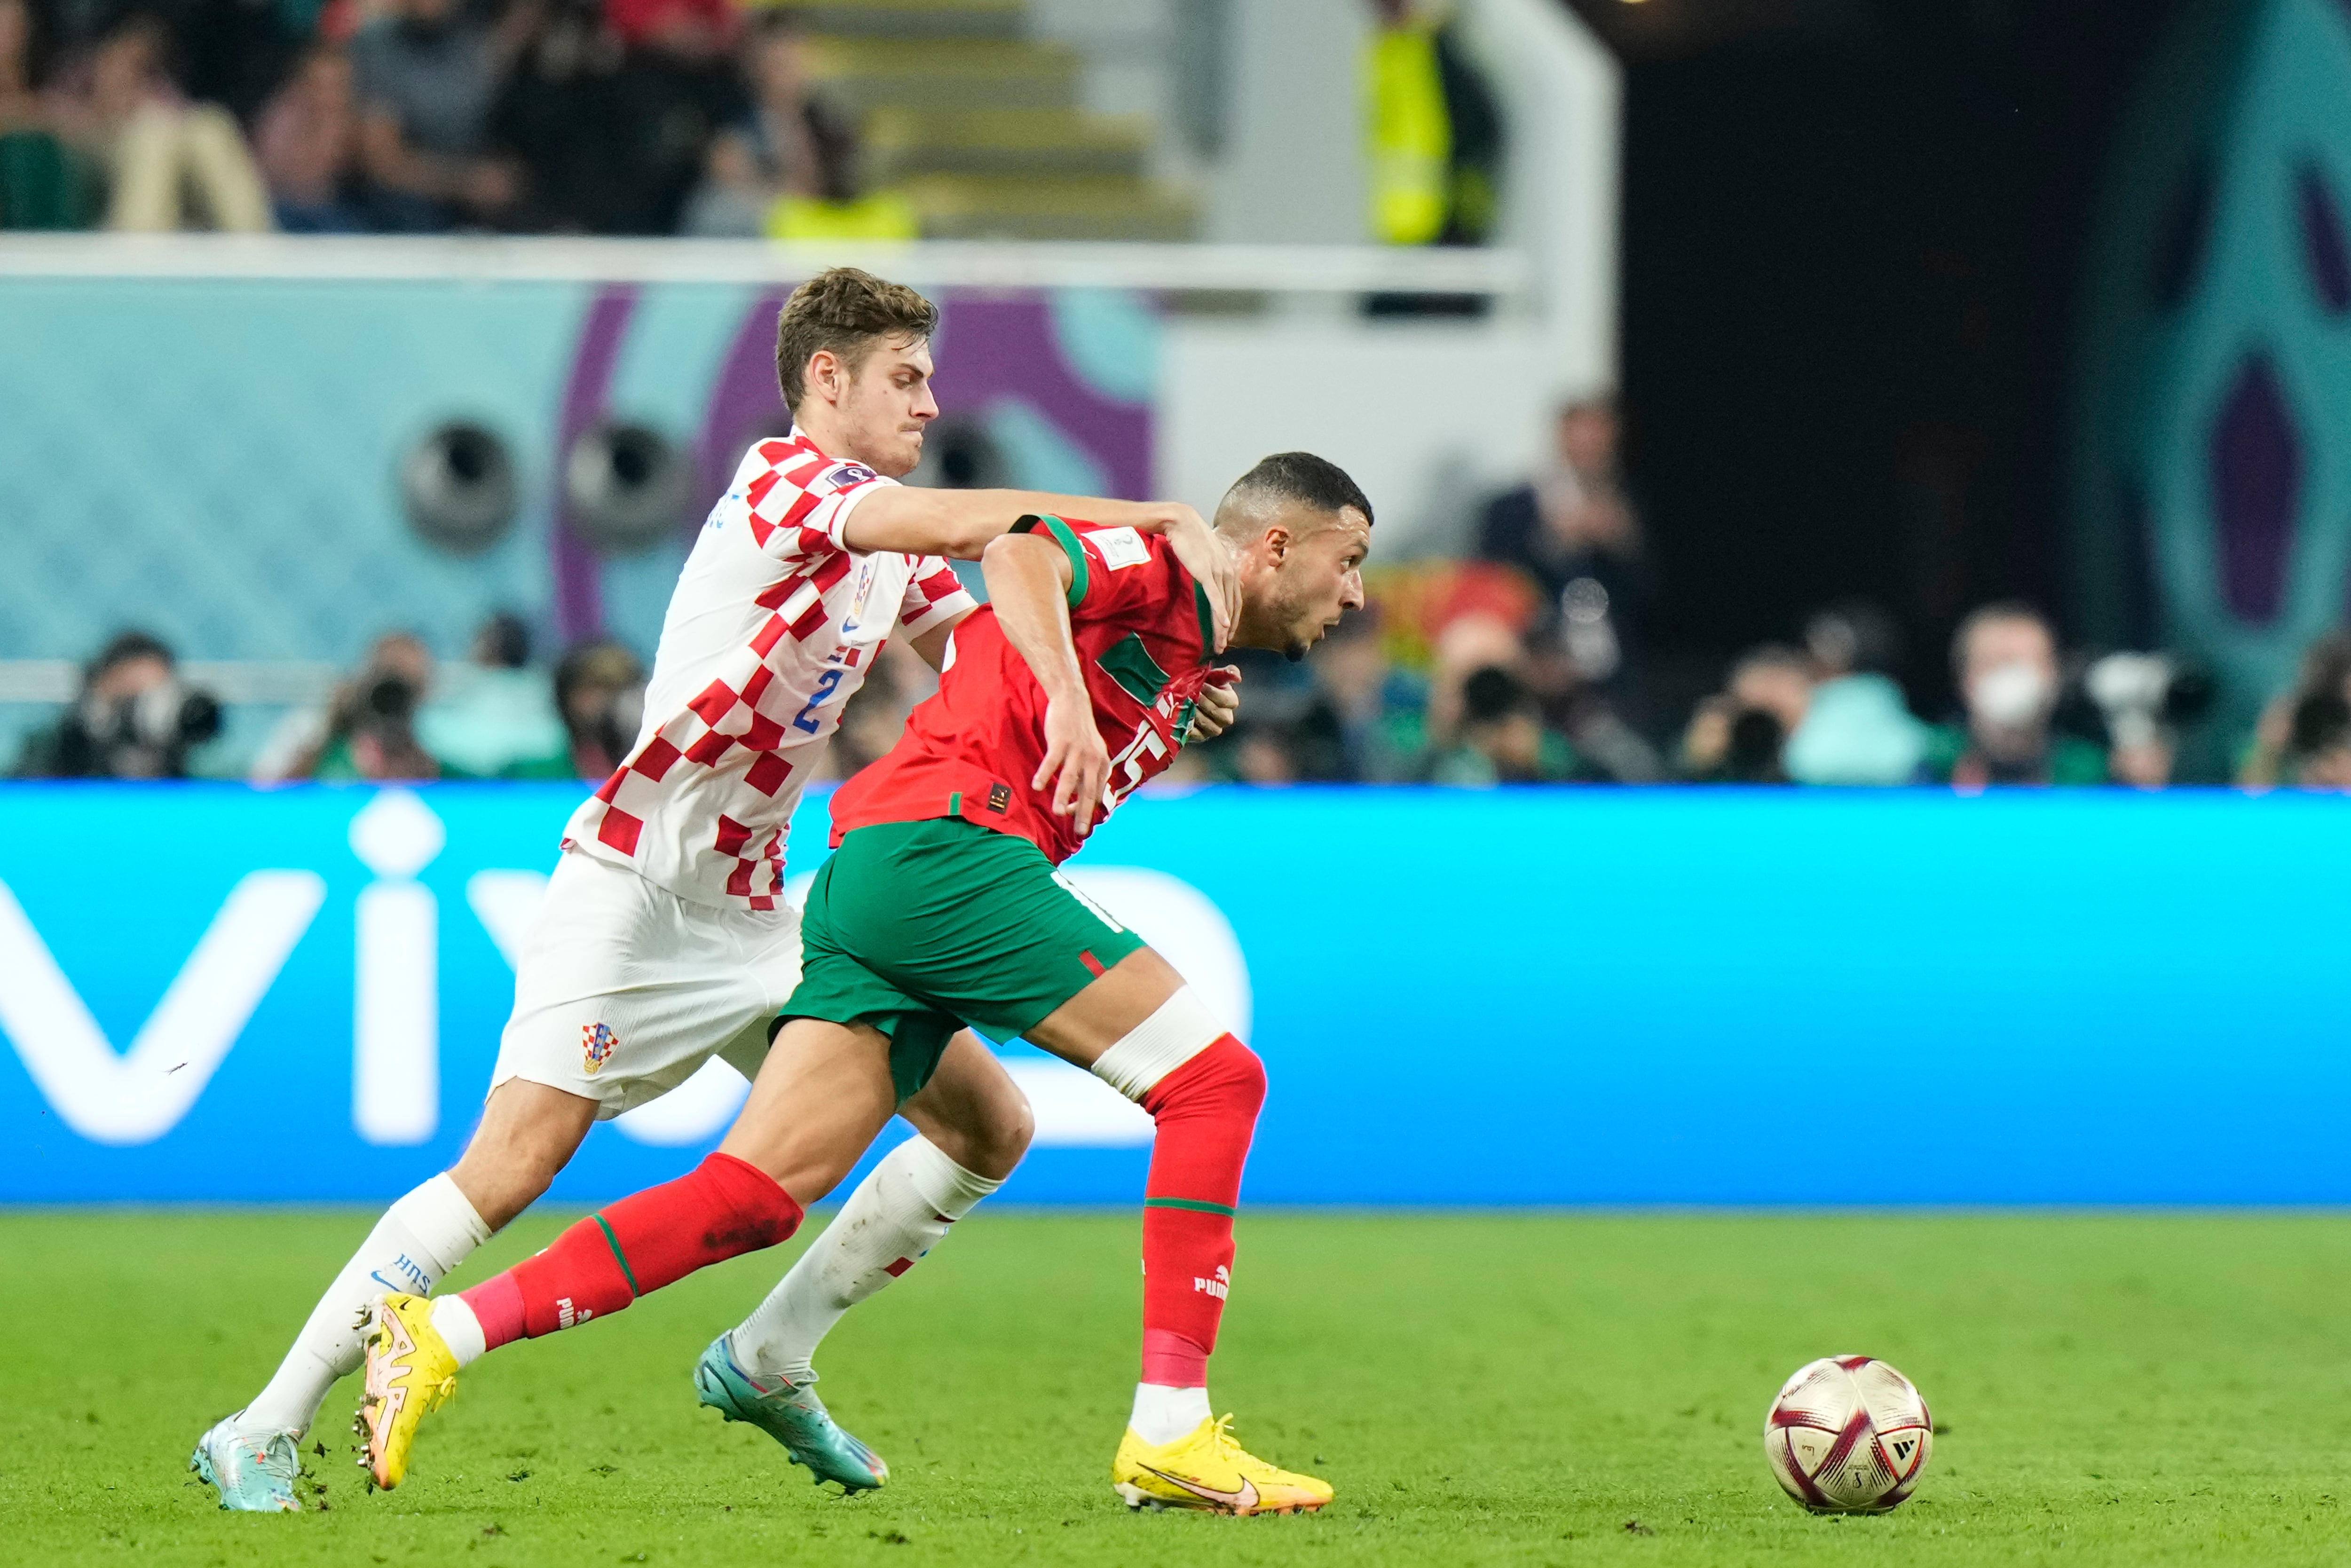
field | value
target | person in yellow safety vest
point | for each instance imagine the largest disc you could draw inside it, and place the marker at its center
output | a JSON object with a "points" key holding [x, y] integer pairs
{"points": [[883, 215], [1432, 136], [839, 207]]}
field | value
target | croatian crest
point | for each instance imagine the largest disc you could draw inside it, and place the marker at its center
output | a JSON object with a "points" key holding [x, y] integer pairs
{"points": [[597, 1042]]}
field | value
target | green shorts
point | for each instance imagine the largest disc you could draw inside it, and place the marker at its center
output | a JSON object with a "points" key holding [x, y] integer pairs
{"points": [[922, 928]]}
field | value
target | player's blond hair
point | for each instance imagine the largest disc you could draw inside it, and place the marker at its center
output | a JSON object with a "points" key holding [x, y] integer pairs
{"points": [[846, 312]]}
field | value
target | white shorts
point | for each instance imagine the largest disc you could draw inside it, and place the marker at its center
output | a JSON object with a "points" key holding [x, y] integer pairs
{"points": [[624, 989]]}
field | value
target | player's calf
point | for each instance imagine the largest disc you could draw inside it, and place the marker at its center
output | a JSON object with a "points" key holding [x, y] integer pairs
{"points": [[1204, 1090], [763, 1371], [973, 1125], [722, 1209], [898, 1213]]}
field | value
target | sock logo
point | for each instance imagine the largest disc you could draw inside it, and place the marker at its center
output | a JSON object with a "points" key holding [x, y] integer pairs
{"points": [[597, 1044], [418, 1282], [565, 1316], [1217, 1284]]}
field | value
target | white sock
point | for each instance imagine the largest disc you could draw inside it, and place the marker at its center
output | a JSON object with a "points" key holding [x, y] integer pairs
{"points": [[455, 1322], [897, 1215], [1163, 1413], [419, 1240]]}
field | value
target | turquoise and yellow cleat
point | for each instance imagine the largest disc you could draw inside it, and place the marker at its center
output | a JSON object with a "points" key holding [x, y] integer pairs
{"points": [[410, 1371], [252, 1471], [793, 1415], [1205, 1468]]}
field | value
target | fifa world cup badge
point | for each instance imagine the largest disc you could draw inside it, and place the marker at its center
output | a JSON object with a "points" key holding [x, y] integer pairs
{"points": [[596, 1043]]}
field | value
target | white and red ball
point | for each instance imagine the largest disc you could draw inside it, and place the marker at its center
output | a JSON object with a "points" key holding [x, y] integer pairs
{"points": [[1848, 1434]]}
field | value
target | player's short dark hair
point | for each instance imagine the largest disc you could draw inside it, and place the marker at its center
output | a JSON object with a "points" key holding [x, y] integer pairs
{"points": [[847, 311], [1303, 478]]}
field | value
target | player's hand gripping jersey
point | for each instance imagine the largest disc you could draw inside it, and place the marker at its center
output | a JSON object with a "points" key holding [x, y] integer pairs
{"points": [[1143, 635], [773, 626]]}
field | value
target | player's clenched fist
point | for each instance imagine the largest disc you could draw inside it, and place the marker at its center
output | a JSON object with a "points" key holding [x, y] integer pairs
{"points": [[1219, 704]]}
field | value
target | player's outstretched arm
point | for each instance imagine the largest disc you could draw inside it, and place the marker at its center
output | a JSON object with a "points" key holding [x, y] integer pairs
{"points": [[959, 524], [1029, 581]]}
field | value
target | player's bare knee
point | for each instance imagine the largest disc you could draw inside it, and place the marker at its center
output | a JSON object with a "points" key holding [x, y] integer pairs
{"points": [[985, 1134], [1004, 1138], [494, 1190], [528, 1133], [501, 1182]]}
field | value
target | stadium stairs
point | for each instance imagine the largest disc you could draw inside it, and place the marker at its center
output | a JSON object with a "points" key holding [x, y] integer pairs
{"points": [[978, 125]]}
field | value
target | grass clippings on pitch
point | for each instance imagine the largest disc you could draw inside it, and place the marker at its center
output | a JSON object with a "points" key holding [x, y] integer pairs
{"points": [[1539, 1389]]}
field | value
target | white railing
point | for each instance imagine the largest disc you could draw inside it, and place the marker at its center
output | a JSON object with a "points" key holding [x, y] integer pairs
{"points": [[1253, 268], [278, 683]]}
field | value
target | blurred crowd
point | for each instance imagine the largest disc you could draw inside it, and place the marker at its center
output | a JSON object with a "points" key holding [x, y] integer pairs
{"points": [[1517, 667], [618, 117], [403, 716], [1521, 667]]}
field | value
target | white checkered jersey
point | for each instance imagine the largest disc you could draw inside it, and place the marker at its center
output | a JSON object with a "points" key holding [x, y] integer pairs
{"points": [[772, 627]]}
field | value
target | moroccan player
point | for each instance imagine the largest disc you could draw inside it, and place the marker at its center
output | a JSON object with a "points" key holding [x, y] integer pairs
{"points": [[942, 908], [662, 941]]}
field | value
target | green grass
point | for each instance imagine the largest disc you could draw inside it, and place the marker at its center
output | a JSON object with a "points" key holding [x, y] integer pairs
{"points": [[1544, 1389]]}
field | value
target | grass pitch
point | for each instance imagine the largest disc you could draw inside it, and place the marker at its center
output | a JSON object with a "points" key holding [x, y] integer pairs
{"points": [[1480, 1389]]}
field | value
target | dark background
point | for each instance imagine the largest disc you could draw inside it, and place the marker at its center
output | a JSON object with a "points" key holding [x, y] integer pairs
{"points": [[1854, 236]]}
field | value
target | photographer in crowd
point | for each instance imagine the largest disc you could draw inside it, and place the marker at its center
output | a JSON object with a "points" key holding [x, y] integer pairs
{"points": [[367, 730], [2004, 661], [1740, 736], [133, 719]]}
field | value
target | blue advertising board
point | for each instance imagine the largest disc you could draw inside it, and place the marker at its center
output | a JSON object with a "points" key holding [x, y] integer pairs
{"points": [[1513, 996]]}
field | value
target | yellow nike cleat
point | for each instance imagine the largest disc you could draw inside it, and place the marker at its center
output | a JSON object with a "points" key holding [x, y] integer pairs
{"points": [[410, 1370], [1206, 1468]]}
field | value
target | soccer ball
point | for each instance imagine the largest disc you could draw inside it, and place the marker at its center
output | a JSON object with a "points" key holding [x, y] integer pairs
{"points": [[1848, 1434]]}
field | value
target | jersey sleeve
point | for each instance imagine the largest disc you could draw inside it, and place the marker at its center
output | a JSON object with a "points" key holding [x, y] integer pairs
{"points": [[1116, 572], [798, 508], [934, 593]]}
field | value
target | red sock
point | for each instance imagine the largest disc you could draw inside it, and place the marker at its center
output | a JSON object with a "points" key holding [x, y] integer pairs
{"points": [[1206, 1110], [721, 1209]]}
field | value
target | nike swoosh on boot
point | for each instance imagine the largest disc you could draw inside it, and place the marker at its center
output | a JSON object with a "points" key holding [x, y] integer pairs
{"points": [[1239, 1501]]}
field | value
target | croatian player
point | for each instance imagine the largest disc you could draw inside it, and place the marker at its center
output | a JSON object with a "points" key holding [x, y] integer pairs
{"points": [[942, 908], [665, 939]]}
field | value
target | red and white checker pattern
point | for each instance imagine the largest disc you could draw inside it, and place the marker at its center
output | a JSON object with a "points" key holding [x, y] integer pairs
{"points": [[772, 627]]}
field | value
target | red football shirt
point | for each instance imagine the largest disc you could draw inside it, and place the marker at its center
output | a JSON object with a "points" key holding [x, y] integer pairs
{"points": [[1144, 636]]}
